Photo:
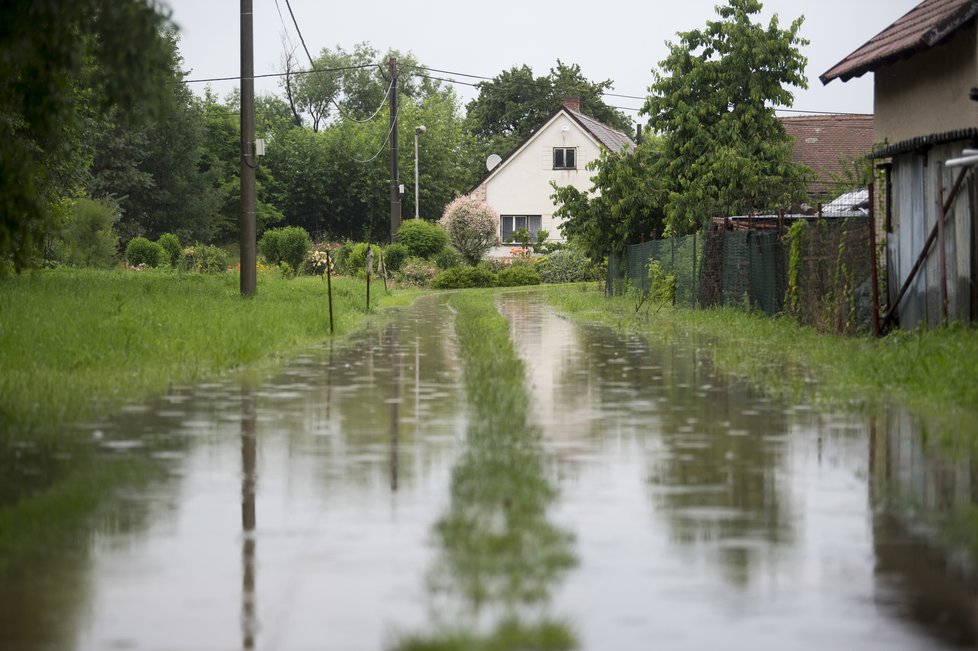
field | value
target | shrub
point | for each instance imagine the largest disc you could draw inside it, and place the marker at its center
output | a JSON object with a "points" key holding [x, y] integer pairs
{"points": [[90, 239], [395, 255], [417, 271], [288, 244], [463, 277], [356, 260], [448, 258], [171, 247], [341, 254], [205, 258], [471, 226], [565, 266], [517, 276], [422, 238], [142, 251]]}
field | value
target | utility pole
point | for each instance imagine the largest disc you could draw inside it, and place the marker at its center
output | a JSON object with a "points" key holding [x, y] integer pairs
{"points": [[248, 226], [395, 175]]}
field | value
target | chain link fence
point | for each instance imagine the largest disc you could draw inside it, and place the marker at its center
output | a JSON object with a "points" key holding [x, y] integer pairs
{"points": [[818, 270]]}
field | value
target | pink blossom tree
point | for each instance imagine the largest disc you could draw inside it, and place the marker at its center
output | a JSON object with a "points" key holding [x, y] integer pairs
{"points": [[471, 225]]}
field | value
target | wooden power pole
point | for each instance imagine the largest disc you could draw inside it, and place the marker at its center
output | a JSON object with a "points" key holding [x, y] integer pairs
{"points": [[248, 225], [395, 174]]}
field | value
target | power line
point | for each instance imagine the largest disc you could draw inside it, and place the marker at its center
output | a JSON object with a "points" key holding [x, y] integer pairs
{"points": [[312, 63]]}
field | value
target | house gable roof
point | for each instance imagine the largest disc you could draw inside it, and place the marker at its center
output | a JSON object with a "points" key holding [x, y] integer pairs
{"points": [[602, 134], [824, 142], [923, 27]]}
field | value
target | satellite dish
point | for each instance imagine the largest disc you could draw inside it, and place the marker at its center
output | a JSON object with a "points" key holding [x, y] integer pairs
{"points": [[492, 161]]}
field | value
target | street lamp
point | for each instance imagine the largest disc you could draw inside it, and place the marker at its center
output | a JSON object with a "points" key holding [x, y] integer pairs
{"points": [[418, 130]]}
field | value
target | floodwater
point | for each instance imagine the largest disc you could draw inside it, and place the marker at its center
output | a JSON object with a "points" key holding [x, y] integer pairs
{"points": [[317, 508]]}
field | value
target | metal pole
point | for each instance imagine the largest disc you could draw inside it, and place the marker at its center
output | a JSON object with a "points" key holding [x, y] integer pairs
{"points": [[872, 259], [248, 227], [940, 244], [395, 173]]}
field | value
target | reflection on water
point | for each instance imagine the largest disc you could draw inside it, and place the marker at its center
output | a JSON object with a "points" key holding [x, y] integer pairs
{"points": [[707, 514], [700, 513], [275, 524]]}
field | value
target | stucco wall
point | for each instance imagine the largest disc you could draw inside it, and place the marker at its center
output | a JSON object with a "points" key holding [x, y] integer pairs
{"points": [[522, 186], [928, 93]]}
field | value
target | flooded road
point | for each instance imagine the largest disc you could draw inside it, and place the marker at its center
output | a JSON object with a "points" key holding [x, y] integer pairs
{"points": [[329, 504]]}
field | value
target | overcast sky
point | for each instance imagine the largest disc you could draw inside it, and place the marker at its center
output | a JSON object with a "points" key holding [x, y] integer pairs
{"points": [[619, 40]]}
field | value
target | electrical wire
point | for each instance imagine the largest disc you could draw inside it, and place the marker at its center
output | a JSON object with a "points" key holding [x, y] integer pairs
{"points": [[312, 63], [390, 132]]}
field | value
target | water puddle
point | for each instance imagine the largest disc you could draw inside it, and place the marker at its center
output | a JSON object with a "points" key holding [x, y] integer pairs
{"points": [[346, 502]]}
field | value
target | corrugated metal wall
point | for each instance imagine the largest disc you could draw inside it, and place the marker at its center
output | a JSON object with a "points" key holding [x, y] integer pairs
{"points": [[915, 210]]}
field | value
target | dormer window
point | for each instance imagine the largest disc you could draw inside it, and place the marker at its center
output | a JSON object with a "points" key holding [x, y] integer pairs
{"points": [[565, 158]]}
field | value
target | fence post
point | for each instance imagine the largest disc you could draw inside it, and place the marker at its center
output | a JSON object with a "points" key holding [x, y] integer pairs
{"points": [[873, 261], [696, 279]]}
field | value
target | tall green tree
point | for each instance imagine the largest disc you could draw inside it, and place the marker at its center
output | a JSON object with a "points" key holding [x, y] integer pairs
{"points": [[724, 150], [334, 181], [515, 102], [52, 55], [624, 205]]}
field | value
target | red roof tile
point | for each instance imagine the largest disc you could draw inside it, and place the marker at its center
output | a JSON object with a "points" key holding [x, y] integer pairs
{"points": [[826, 142], [922, 27]]}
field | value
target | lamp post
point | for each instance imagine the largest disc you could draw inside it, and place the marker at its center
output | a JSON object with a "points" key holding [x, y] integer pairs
{"points": [[418, 130]]}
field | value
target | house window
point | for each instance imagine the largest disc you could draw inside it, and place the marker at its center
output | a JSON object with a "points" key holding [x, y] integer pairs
{"points": [[565, 158], [509, 224]]}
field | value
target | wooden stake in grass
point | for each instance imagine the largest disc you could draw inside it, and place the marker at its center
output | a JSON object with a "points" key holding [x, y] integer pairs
{"points": [[329, 289], [370, 268]]}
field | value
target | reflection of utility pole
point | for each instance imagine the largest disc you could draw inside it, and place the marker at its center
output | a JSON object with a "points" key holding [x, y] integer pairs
{"points": [[395, 174], [248, 225], [395, 403], [249, 454]]}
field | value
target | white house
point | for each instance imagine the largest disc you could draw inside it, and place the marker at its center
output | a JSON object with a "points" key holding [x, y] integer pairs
{"points": [[518, 187]]}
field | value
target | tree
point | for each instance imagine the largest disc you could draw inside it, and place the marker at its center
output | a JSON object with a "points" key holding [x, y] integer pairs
{"points": [[516, 102], [335, 182], [624, 204], [53, 55], [724, 150], [471, 226]]}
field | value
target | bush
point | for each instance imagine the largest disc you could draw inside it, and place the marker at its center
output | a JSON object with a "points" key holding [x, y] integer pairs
{"points": [[517, 276], [341, 254], [565, 266], [448, 258], [471, 226], [422, 238], [171, 247], [355, 262], [142, 251], [289, 244], [417, 271], [205, 258], [463, 277], [90, 239], [394, 256]]}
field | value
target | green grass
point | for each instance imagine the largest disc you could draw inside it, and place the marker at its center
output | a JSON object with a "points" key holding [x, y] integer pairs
{"points": [[934, 371], [499, 556], [77, 344]]}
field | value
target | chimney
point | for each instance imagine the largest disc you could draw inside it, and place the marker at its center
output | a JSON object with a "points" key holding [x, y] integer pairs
{"points": [[573, 103]]}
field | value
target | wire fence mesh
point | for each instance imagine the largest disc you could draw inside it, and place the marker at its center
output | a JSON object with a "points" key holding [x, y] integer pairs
{"points": [[827, 286]]}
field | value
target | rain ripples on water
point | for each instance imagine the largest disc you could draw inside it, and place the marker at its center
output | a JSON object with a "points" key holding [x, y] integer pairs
{"points": [[336, 503]]}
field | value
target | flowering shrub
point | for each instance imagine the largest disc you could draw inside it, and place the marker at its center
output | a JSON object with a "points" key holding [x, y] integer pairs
{"points": [[317, 262], [417, 272], [205, 258], [471, 226]]}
